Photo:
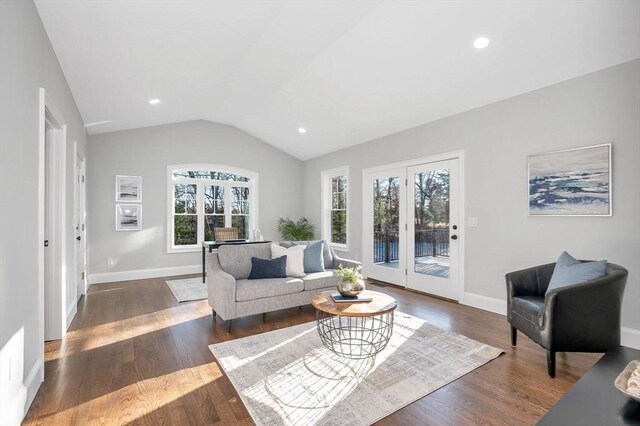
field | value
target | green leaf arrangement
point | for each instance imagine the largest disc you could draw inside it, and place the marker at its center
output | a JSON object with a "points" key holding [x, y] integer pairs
{"points": [[349, 275], [302, 230]]}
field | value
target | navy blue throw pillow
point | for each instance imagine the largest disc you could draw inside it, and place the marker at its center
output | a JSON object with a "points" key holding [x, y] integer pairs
{"points": [[268, 268]]}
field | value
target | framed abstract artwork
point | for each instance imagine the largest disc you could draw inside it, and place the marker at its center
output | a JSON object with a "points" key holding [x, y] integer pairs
{"points": [[572, 182], [128, 189], [128, 217]]}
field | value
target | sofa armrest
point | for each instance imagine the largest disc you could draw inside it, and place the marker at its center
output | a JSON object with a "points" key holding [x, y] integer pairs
{"points": [[346, 263], [221, 289]]}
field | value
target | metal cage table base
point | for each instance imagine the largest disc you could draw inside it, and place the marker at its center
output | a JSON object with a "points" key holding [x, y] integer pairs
{"points": [[355, 337]]}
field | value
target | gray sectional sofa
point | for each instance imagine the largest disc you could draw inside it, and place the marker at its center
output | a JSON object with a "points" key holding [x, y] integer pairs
{"points": [[232, 295]]}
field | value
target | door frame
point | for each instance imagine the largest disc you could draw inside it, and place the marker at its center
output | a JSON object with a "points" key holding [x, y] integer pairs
{"points": [[80, 163], [57, 321], [458, 154]]}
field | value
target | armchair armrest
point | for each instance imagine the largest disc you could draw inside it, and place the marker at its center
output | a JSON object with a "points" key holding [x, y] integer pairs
{"points": [[529, 282], [221, 289], [586, 316]]}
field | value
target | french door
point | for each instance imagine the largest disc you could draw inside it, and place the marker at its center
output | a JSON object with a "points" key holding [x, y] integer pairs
{"points": [[412, 227], [385, 219]]}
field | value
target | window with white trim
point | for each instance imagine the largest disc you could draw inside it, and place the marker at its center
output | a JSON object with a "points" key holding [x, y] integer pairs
{"points": [[335, 194], [204, 197]]}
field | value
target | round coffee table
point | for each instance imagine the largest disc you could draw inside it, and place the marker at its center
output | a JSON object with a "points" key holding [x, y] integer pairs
{"points": [[355, 330]]}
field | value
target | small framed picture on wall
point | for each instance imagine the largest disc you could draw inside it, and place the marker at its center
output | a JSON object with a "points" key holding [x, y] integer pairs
{"points": [[128, 189], [128, 217]]}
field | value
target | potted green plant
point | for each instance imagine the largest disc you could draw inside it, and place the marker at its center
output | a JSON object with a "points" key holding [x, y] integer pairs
{"points": [[302, 230], [351, 282]]}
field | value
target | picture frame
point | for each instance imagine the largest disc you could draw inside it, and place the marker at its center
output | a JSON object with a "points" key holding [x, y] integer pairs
{"points": [[571, 182], [128, 217], [128, 189]]}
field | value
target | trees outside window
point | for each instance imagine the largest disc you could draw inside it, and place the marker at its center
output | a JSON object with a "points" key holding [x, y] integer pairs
{"points": [[335, 219], [205, 197]]}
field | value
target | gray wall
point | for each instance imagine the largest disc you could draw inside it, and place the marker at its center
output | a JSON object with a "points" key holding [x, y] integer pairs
{"points": [[146, 152], [27, 63], [596, 108]]}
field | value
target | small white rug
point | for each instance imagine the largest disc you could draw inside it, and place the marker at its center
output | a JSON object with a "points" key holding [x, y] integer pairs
{"points": [[188, 289], [287, 377]]}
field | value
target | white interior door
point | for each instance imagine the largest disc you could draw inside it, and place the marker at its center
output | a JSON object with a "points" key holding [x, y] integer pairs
{"points": [[50, 330], [79, 225], [384, 257], [433, 228]]}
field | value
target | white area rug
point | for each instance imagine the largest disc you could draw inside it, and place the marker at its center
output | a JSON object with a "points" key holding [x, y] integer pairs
{"points": [[188, 289], [287, 377]]}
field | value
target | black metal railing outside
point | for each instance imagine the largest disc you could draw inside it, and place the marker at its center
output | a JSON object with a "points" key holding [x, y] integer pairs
{"points": [[428, 242]]}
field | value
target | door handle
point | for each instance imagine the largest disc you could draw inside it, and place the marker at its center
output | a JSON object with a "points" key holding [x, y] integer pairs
{"points": [[78, 238], [454, 237]]}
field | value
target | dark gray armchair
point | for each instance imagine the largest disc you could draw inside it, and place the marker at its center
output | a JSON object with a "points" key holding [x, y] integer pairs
{"points": [[582, 317]]}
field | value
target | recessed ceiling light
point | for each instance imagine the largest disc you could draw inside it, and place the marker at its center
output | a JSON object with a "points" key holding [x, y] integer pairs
{"points": [[154, 101], [481, 42], [302, 130]]}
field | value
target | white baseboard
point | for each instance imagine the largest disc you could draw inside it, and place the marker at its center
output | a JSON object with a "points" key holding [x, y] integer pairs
{"points": [[497, 306], [630, 337], [109, 277], [33, 382], [71, 312]]}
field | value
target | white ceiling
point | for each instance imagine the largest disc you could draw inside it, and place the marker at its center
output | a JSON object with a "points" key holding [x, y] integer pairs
{"points": [[347, 71]]}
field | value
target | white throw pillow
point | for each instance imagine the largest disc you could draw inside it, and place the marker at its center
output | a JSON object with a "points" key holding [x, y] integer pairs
{"points": [[295, 258]]}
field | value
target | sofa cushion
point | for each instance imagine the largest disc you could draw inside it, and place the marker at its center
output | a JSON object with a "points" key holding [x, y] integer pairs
{"points": [[327, 257], [530, 308], [235, 259], [268, 268], [318, 280], [294, 256], [569, 271], [313, 257], [268, 287]]}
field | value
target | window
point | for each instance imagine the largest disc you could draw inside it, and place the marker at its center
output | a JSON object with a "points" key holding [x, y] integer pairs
{"points": [[335, 218], [204, 197]]}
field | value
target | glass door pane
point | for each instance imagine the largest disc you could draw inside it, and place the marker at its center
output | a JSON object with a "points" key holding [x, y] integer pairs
{"points": [[386, 221], [431, 223]]}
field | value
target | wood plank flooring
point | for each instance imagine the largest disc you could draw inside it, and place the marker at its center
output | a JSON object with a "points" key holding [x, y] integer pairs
{"points": [[134, 355]]}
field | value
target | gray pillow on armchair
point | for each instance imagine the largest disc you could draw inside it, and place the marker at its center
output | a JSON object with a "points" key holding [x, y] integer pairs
{"points": [[569, 270]]}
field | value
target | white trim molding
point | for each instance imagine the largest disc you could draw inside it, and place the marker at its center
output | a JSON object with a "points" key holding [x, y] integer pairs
{"points": [[32, 383], [630, 337], [491, 304], [140, 274]]}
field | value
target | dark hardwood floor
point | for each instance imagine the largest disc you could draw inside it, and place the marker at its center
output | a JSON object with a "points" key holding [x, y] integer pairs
{"points": [[134, 355]]}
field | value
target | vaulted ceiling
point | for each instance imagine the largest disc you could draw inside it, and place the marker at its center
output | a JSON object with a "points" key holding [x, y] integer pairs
{"points": [[346, 71]]}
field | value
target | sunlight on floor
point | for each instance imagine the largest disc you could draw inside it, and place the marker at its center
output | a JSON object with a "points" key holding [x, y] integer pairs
{"points": [[146, 396], [84, 339], [308, 388]]}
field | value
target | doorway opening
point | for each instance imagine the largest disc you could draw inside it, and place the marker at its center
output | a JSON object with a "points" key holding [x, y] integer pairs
{"points": [[412, 225]]}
